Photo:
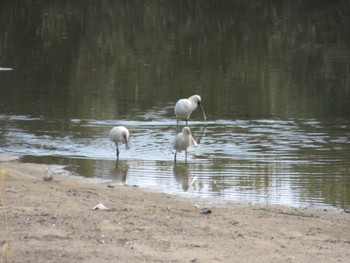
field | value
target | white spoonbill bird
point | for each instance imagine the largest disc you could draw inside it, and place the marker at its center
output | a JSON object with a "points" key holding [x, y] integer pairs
{"points": [[182, 141], [184, 108], [119, 134]]}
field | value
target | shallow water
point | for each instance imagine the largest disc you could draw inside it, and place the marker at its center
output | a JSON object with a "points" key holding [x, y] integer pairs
{"points": [[293, 162]]}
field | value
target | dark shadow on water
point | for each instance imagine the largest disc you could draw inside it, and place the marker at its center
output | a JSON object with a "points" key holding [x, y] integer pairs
{"points": [[199, 138]]}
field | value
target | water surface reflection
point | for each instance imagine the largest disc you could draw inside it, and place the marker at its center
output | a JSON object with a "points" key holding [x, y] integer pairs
{"points": [[119, 173], [182, 176]]}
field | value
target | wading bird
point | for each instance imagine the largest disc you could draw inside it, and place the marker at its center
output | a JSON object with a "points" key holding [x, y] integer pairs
{"points": [[182, 141], [184, 108], [119, 134]]}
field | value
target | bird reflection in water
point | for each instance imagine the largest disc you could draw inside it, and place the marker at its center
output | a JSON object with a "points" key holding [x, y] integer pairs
{"points": [[182, 176], [119, 172]]}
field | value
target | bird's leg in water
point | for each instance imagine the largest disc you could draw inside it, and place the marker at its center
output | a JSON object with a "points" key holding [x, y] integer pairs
{"points": [[117, 150], [175, 156], [186, 156]]}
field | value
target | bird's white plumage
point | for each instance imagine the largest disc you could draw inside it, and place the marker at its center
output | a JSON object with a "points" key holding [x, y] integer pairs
{"points": [[120, 134], [183, 140], [184, 107]]}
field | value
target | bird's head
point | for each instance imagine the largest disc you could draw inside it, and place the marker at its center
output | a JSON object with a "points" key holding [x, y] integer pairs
{"points": [[196, 99], [186, 130]]}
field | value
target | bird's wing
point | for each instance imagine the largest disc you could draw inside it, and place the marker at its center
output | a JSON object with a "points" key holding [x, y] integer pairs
{"points": [[178, 143], [182, 108]]}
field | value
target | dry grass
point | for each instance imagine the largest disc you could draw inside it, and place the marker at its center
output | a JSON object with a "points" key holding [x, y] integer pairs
{"points": [[5, 249]]}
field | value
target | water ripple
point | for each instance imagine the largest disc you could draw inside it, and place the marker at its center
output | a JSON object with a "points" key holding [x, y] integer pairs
{"points": [[295, 162]]}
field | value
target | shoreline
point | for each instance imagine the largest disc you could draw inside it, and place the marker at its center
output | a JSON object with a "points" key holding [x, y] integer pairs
{"points": [[216, 200], [50, 221]]}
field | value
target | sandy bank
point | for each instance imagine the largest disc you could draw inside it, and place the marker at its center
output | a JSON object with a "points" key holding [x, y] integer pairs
{"points": [[53, 221]]}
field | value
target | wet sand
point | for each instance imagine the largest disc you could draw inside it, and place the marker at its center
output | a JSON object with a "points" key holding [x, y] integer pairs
{"points": [[53, 221]]}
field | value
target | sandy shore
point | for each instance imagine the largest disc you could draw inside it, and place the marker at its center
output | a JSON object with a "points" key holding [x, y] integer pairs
{"points": [[53, 221]]}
